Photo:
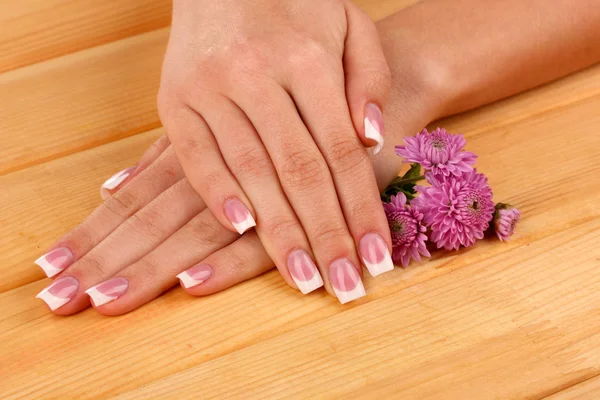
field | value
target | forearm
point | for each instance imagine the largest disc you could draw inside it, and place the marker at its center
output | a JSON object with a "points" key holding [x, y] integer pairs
{"points": [[473, 52]]}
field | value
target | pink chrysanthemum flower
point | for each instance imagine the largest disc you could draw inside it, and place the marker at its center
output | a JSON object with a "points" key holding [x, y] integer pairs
{"points": [[408, 232], [457, 209], [439, 152], [506, 219]]}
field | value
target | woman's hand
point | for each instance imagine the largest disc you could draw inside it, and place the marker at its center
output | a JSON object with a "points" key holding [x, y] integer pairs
{"points": [[129, 238], [262, 101], [149, 230]]}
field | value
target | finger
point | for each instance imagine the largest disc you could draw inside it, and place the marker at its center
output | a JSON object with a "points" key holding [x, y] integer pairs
{"points": [[243, 259], [308, 185], [368, 77], [136, 237], [278, 228], [149, 184], [121, 178], [206, 170], [156, 272], [325, 113]]}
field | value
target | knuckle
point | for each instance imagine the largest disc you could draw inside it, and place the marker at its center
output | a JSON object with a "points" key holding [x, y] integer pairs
{"points": [[229, 258], [303, 170], [150, 223], [280, 227], [326, 233], [150, 270], [192, 147], [347, 156], [253, 162], [310, 55], [211, 183], [380, 78], [90, 265], [247, 57], [123, 204], [205, 233]]}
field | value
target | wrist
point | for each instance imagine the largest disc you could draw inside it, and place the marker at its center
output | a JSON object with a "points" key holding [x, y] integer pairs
{"points": [[417, 96]]}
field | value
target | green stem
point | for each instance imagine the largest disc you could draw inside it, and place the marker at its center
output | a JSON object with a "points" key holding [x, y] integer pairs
{"points": [[408, 180]]}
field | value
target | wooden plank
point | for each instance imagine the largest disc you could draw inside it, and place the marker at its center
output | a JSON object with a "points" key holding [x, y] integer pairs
{"points": [[586, 390], [532, 302], [510, 327], [518, 317], [38, 30], [79, 101], [82, 100]]}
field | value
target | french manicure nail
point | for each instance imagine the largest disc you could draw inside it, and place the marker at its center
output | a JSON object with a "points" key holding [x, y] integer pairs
{"points": [[108, 291], [304, 271], [374, 126], [55, 261], [374, 253], [345, 280], [60, 292], [239, 216], [195, 275], [114, 181]]}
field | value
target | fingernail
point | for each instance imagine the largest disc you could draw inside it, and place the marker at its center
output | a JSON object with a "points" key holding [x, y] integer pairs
{"points": [[345, 280], [60, 292], [238, 215], [108, 291], [304, 271], [375, 254], [195, 275], [114, 181], [374, 126], [55, 261]]}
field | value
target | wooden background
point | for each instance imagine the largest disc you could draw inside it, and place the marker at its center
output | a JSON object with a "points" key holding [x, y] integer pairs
{"points": [[78, 80]]}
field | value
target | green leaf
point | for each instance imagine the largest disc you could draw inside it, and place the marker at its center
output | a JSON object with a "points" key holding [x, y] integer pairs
{"points": [[405, 184], [413, 172]]}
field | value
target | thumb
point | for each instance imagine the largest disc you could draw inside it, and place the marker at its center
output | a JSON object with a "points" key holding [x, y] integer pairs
{"points": [[368, 78]]}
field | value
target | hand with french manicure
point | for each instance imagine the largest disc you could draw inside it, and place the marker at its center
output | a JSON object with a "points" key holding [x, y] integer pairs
{"points": [[269, 106]]}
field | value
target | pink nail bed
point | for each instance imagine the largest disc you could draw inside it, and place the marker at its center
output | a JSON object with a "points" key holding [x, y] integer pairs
{"points": [[195, 275], [374, 126], [304, 271], [239, 216], [375, 254], [60, 292], [55, 261], [108, 291], [345, 280]]}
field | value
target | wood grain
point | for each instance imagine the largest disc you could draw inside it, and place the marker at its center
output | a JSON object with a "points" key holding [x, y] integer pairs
{"points": [[586, 390], [498, 321], [38, 30], [79, 101]]}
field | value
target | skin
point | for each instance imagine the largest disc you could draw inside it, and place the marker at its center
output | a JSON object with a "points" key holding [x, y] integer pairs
{"points": [[525, 44], [262, 101]]}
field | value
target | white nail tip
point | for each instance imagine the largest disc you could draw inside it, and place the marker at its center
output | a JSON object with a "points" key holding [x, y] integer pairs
{"points": [[117, 178], [246, 224], [308, 286], [372, 133], [345, 297], [384, 266], [48, 268], [98, 297], [52, 301], [188, 281]]}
